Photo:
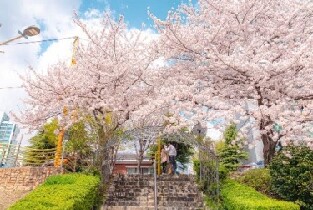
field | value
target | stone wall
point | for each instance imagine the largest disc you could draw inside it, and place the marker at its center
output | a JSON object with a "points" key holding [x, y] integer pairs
{"points": [[25, 178]]}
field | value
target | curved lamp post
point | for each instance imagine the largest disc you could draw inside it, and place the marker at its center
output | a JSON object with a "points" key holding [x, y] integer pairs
{"points": [[200, 132], [29, 31]]}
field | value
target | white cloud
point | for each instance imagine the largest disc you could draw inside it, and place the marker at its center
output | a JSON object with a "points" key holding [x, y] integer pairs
{"points": [[55, 21]]}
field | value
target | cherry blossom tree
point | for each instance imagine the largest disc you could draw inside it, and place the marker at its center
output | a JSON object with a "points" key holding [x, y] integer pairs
{"points": [[113, 74], [113, 78], [224, 54]]}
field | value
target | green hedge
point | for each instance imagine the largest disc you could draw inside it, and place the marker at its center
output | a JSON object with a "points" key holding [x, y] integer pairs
{"points": [[259, 179], [237, 196], [62, 192]]}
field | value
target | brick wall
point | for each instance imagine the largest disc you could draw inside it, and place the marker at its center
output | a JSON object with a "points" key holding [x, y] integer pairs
{"points": [[25, 178], [119, 169]]}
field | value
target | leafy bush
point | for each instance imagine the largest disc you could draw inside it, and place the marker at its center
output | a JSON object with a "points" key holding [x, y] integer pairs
{"points": [[222, 172], [292, 175], [62, 192], [212, 204], [91, 171], [237, 197], [259, 179]]}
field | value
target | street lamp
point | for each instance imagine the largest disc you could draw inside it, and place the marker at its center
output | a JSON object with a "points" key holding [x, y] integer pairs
{"points": [[200, 132], [29, 31]]}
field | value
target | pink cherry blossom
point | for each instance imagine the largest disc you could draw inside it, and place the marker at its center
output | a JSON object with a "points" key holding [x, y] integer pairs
{"points": [[225, 52]]}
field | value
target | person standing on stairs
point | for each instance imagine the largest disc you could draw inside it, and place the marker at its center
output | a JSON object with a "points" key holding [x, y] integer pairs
{"points": [[172, 156], [164, 160]]}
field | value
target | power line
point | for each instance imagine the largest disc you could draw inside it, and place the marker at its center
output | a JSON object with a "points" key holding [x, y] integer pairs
{"points": [[45, 40], [17, 87]]}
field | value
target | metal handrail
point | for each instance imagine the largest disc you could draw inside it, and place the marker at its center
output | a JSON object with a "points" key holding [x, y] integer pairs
{"points": [[13, 155]]}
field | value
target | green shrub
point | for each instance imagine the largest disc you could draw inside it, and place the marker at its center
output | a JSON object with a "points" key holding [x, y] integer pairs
{"points": [[196, 168], [222, 172], [91, 171], [212, 204], [292, 175], [62, 192], [237, 197], [259, 179]]}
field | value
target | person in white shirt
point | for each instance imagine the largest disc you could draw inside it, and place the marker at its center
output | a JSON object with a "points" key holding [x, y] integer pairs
{"points": [[172, 155]]}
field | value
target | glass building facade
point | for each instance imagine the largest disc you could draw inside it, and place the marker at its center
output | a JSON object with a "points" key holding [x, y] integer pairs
{"points": [[8, 139]]}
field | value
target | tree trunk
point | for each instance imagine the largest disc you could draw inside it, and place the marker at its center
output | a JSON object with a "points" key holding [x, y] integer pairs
{"points": [[139, 164], [107, 154], [105, 166], [114, 151], [103, 157], [75, 163], [269, 148], [140, 155]]}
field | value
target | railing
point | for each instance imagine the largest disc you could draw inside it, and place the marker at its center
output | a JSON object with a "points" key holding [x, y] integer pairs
{"points": [[13, 155], [37, 157], [209, 173]]}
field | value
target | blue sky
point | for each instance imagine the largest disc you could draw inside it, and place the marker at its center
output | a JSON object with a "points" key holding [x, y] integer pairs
{"points": [[55, 19], [134, 11]]}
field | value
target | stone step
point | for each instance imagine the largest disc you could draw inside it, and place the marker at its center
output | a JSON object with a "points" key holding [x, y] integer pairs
{"points": [[151, 178], [151, 203], [160, 179], [151, 184], [160, 202], [151, 194], [137, 192], [168, 186], [161, 192], [187, 197], [145, 178], [166, 201], [144, 191], [148, 208]]}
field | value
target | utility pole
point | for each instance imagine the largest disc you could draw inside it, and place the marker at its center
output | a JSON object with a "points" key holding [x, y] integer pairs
{"points": [[159, 157], [59, 152]]}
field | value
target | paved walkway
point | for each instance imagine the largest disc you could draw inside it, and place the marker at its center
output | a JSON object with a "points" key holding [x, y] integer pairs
{"points": [[7, 198]]}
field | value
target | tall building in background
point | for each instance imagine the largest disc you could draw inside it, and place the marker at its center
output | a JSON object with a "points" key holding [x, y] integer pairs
{"points": [[8, 140]]}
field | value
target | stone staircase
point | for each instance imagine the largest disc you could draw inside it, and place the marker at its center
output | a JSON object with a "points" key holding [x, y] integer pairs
{"points": [[136, 192]]}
